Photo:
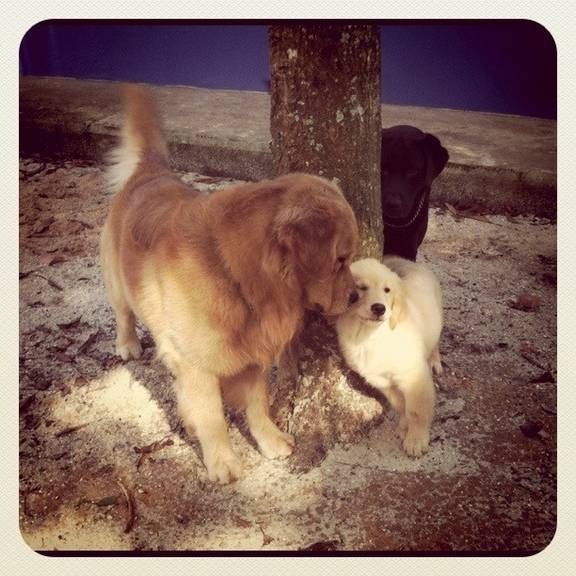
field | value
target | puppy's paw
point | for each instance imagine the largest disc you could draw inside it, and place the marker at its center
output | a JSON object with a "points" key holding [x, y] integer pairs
{"points": [[275, 443], [223, 467], [402, 427], [130, 349], [416, 442], [436, 366], [435, 362]]}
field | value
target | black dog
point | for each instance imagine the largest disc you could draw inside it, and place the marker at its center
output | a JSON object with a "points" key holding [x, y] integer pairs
{"points": [[411, 159]]}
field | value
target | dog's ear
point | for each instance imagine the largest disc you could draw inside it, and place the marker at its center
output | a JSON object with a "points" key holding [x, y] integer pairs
{"points": [[304, 234], [398, 305], [437, 155], [273, 262]]}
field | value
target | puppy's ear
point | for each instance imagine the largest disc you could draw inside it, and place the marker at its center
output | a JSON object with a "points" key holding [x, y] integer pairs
{"points": [[437, 155], [398, 305]]}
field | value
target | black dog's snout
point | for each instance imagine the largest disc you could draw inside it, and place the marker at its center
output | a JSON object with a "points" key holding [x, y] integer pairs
{"points": [[353, 298], [378, 309]]}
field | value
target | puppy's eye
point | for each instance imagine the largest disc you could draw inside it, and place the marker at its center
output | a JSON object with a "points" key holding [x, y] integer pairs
{"points": [[363, 288], [386, 289]]}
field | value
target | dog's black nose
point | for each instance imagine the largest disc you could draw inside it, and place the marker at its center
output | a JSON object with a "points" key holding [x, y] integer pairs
{"points": [[353, 298], [378, 309]]}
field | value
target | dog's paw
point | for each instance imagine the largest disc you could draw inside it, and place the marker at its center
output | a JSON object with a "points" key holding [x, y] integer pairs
{"points": [[402, 427], [130, 349], [416, 442], [437, 367], [223, 467], [276, 444], [435, 362]]}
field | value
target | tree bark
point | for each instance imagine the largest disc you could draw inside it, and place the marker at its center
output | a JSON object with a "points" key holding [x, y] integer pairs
{"points": [[325, 116], [325, 120]]}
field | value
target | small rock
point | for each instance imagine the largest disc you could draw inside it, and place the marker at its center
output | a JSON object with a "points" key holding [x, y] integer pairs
{"points": [[71, 324], [323, 545], [42, 225], [531, 429], [526, 302], [49, 259], [546, 376], [39, 380], [30, 169], [107, 501], [27, 402], [549, 278]]}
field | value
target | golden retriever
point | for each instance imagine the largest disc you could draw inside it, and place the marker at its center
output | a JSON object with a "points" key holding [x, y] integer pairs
{"points": [[390, 337], [221, 281]]}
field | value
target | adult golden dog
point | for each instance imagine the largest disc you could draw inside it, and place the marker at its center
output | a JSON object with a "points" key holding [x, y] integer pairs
{"points": [[221, 281]]}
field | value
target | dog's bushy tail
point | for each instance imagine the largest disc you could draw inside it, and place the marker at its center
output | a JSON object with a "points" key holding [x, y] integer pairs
{"points": [[141, 141]]}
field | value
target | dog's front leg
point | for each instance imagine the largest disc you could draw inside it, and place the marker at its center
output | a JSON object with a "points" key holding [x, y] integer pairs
{"points": [[419, 396], [201, 409], [396, 400]]}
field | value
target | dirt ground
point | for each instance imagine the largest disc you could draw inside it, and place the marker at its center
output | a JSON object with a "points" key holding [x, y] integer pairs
{"points": [[104, 464]]}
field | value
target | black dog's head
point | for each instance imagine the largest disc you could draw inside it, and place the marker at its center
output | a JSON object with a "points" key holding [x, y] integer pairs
{"points": [[411, 159]]}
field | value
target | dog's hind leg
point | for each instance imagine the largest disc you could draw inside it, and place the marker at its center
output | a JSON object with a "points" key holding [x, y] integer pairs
{"points": [[249, 390], [435, 361], [127, 343], [419, 409]]}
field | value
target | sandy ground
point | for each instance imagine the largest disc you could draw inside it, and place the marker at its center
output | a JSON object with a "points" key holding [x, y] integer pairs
{"points": [[104, 464]]}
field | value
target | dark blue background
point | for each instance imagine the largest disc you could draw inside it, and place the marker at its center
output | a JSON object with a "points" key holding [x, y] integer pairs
{"points": [[493, 66]]}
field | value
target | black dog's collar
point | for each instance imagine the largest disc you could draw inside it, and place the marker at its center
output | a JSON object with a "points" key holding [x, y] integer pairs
{"points": [[403, 222]]}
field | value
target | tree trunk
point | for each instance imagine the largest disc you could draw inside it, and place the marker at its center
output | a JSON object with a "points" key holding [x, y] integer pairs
{"points": [[325, 120]]}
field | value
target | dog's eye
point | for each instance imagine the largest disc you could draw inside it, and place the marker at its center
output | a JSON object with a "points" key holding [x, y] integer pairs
{"points": [[386, 289], [363, 288]]}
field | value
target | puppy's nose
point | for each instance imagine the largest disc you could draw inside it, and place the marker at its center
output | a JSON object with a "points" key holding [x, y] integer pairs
{"points": [[353, 298], [378, 309]]}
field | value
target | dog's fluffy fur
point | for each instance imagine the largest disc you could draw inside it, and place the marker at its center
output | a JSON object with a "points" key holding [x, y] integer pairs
{"points": [[390, 337], [221, 281]]}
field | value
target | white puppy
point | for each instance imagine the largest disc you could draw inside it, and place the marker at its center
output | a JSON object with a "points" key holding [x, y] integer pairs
{"points": [[390, 337]]}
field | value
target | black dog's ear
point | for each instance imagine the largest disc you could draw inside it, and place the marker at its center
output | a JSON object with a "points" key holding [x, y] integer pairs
{"points": [[437, 154]]}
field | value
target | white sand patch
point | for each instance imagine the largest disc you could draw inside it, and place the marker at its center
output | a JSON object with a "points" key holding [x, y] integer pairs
{"points": [[105, 403]]}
